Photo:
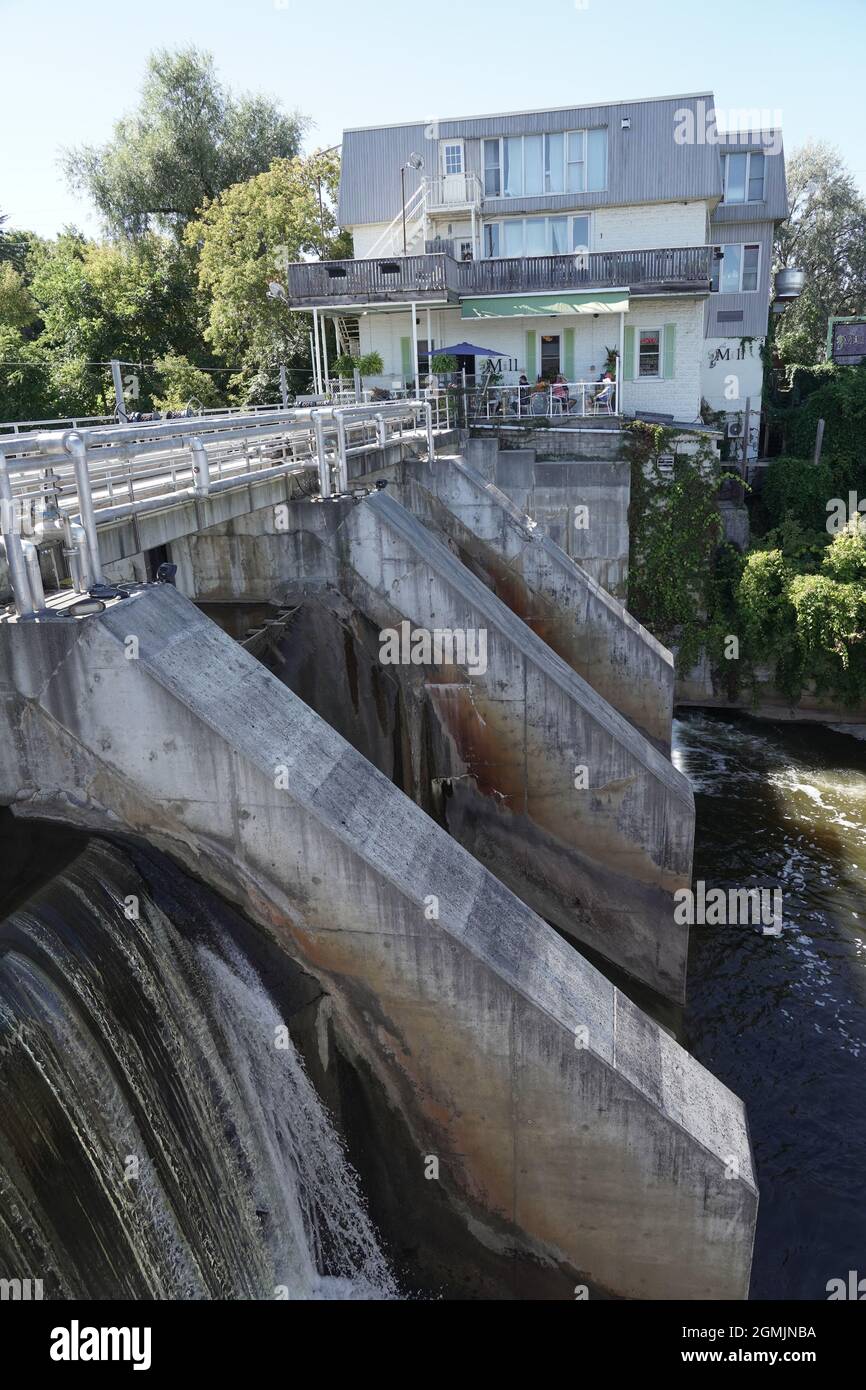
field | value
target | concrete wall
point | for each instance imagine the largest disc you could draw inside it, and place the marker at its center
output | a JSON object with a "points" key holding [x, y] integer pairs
{"points": [[581, 503], [567, 1124], [602, 859], [555, 596]]}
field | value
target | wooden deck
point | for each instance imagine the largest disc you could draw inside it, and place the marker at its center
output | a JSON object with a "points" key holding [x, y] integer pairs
{"points": [[438, 277]]}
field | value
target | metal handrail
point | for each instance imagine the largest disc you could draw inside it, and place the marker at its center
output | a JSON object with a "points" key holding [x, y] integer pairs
{"points": [[182, 459]]}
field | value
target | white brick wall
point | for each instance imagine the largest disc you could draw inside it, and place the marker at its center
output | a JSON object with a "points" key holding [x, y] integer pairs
{"points": [[680, 397], [650, 227]]}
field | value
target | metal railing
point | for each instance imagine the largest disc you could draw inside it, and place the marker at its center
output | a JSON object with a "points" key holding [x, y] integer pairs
{"points": [[453, 191], [670, 268], [438, 275], [59, 487], [432, 276], [554, 400]]}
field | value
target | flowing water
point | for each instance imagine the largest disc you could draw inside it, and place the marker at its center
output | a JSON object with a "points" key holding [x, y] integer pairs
{"points": [[159, 1137], [782, 1020]]}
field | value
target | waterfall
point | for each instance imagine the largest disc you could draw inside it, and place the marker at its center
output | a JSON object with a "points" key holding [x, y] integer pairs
{"points": [[159, 1135]]}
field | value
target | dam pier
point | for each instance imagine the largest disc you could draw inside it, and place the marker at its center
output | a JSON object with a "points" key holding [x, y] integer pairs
{"points": [[474, 862]]}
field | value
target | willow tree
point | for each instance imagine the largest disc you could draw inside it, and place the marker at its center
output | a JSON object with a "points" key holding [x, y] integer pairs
{"points": [[825, 235], [188, 139]]}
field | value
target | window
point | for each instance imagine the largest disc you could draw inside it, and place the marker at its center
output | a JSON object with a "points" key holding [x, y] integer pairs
{"points": [[512, 167], [744, 178], [491, 239], [537, 236], [735, 270], [575, 173], [466, 252], [557, 232], [453, 159], [492, 169], [513, 238], [649, 356], [536, 242], [750, 267], [580, 233], [525, 166], [596, 162], [533, 165], [554, 146], [756, 178]]}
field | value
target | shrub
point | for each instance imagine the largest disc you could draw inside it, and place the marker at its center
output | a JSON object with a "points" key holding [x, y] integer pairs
{"points": [[443, 362], [841, 404], [794, 487], [831, 632], [371, 364], [845, 559]]}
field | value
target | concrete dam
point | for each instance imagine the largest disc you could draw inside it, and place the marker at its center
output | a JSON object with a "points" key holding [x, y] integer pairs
{"points": [[392, 715]]}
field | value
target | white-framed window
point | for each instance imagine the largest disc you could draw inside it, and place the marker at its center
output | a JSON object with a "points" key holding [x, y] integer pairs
{"points": [[466, 251], [537, 236], [529, 166], [649, 358], [452, 157], [744, 177], [735, 268]]}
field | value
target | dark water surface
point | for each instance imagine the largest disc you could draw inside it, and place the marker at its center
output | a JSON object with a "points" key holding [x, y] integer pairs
{"points": [[782, 1021]]}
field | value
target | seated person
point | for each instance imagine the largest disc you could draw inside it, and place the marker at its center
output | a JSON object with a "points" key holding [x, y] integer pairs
{"points": [[604, 397]]}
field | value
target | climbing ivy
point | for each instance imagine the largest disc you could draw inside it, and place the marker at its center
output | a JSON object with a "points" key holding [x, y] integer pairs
{"points": [[675, 528]]}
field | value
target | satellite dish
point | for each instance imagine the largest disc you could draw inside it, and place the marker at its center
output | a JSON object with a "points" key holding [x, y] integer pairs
{"points": [[275, 291], [415, 161]]}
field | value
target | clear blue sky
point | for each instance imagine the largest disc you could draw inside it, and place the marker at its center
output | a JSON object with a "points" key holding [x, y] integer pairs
{"points": [[70, 69]]}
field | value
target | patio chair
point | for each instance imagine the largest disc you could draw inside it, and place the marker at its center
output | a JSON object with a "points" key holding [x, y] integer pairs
{"points": [[602, 402]]}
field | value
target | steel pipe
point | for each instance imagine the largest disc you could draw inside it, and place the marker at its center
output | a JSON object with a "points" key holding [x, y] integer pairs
{"points": [[18, 576], [78, 450], [34, 575], [200, 467]]}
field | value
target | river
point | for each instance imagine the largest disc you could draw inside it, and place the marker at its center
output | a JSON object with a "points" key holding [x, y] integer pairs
{"points": [[782, 1020]]}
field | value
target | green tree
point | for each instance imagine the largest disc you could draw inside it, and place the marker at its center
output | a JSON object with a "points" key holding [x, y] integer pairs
{"points": [[825, 235], [17, 306], [189, 139], [244, 239], [180, 382], [134, 301]]}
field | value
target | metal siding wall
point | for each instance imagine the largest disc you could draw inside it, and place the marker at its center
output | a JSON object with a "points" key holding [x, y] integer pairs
{"points": [[645, 164], [370, 172], [754, 306], [775, 204]]}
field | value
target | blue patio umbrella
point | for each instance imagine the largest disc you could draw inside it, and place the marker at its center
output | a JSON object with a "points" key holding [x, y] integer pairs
{"points": [[465, 350]]}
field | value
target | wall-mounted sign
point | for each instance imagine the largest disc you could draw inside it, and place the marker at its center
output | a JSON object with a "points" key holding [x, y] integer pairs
{"points": [[846, 341]]}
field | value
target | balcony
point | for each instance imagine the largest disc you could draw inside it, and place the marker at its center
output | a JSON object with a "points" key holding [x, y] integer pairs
{"points": [[449, 192], [439, 278], [672, 270]]}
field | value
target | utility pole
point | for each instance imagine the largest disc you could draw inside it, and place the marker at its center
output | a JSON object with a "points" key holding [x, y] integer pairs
{"points": [[117, 378], [819, 441]]}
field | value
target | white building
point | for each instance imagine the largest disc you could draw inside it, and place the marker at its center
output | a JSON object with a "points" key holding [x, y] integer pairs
{"points": [[556, 237]]}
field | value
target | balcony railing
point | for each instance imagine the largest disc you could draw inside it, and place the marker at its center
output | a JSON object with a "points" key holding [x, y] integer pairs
{"points": [[685, 267], [400, 278], [453, 191], [437, 276]]}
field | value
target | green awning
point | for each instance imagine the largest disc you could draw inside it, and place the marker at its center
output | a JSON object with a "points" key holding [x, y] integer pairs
{"points": [[543, 305]]}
